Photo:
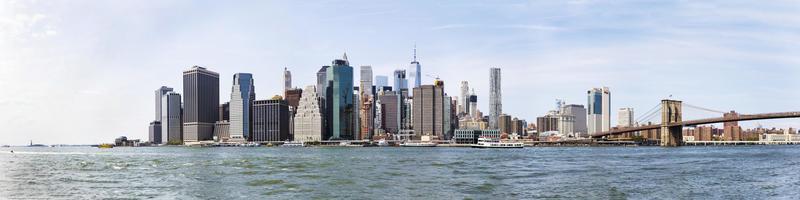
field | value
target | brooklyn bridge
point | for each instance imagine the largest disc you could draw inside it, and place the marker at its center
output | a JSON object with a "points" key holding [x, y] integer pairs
{"points": [[672, 123]]}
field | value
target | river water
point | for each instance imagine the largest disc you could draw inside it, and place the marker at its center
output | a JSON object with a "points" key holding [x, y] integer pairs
{"points": [[741, 172]]}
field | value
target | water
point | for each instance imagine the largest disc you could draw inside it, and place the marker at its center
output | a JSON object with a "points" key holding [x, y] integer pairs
{"points": [[752, 172]]}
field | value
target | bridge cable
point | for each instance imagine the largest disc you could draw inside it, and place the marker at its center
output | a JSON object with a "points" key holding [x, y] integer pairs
{"points": [[703, 109], [657, 107]]}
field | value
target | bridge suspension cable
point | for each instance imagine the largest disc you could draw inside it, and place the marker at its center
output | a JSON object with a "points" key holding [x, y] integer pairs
{"points": [[649, 113], [703, 109]]}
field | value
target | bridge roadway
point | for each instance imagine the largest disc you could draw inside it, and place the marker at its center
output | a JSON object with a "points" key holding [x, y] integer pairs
{"points": [[778, 115]]}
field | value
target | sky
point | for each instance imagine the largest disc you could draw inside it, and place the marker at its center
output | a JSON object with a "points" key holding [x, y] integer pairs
{"points": [[84, 72]]}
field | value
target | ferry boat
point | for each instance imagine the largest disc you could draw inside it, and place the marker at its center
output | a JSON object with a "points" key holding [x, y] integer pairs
{"points": [[495, 143], [418, 144], [293, 144]]}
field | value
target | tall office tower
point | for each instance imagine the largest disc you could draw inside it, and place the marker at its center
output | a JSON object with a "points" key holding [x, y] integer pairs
{"points": [[380, 82], [463, 100], [428, 111], [322, 81], [390, 112], [287, 79], [366, 80], [415, 71], [308, 119], [504, 123], [473, 105], [625, 117], [579, 114], [171, 126], [200, 102], [606, 109], [339, 100], [159, 95], [400, 81], [599, 108], [495, 98], [154, 131], [356, 125], [270, 120], [225, 111], [242, 96], [448, 109]]}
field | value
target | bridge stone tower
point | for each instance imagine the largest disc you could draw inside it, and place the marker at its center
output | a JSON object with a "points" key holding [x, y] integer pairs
{"points": [[671, 112]]}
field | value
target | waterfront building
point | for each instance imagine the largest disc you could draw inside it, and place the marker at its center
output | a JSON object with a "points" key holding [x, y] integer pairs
{"points": [[400, 81], [222, 131], [287, 79], [339, 99], [171, 124], [200, 103], [428, 111], [154, 132], [495, 97], [159, 94], [518, 126], [463, 100], [731, 130], [270, 120], [415, 71], [381, 82], [225, 111], [599, 110], [578, 112], [242, 97], [473, 123], [547, 123], [625, 117], [356, 124], [390, 109], [504, 123], [308, 119], [566, 125]]}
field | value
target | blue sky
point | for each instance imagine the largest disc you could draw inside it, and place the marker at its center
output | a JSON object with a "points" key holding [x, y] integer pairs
{"points": [[85, 71]]}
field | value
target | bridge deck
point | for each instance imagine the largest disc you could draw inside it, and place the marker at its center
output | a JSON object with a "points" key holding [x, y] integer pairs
{"points": [[778, 115]]}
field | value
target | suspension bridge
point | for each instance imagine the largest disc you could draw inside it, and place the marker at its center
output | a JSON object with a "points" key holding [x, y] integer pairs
{"points": [[671, 126]]}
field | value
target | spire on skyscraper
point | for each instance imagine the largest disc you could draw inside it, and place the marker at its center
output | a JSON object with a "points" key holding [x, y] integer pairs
{"points": [[415, 52], [344, 57]]}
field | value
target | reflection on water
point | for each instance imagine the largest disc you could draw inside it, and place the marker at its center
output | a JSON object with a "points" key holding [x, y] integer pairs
{"points": [[401, 173]]}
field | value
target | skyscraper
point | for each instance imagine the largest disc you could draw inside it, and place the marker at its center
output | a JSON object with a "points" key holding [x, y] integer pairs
{"points": [[380, 82], [339, 100], [159, 95], [415, 70], [463, 100], [400, 81], [270, 120], [428, 111], [599, 110], [366, 100], [579, 114], [242, 97], [390, 112], [308, 119], [154, 132], [473, 105], [625, 117], [171, 126], [201, 103], [322, 81], [287, 79], [495, 98]]}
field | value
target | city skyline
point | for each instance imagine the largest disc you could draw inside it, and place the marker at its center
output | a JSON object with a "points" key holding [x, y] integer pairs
{"points": [[541, 59]]}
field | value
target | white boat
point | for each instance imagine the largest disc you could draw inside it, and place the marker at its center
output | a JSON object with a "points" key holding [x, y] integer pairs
{"points": [[383, 143], [495, 143], [293, 144], [418, 144]]}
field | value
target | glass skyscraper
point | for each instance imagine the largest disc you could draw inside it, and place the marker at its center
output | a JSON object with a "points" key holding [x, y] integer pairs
{"points": [[242, 97], [339, 100]]}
